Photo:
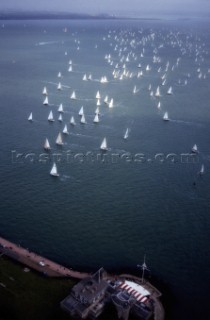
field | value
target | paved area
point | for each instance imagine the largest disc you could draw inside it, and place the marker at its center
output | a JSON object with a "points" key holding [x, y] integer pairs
{"points": [[37, 262]]}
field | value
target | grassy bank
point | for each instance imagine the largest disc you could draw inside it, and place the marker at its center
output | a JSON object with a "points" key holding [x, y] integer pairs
{"points": [[29, 295], [32, 296]]}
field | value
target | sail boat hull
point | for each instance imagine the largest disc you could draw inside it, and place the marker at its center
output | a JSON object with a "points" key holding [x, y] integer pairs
{"points": [[54, 172], [103, 146]]}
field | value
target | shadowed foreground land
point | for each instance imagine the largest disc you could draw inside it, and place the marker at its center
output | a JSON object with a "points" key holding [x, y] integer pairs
{"points": [[29, 295]]}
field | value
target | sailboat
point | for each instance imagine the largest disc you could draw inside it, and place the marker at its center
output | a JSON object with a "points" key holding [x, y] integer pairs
{"points": [[97, 111], [45, 102], [59, 140], [54, 171], [83, 121], [81, 111], [47, 145], [195, 148], [98, 96], [111, 103], [106, 100], [59, 87], [157, 93], [98, 102], [65, 130], [165, 117], [50, 117], [159, 105], [169, 90], [30, 118], [96, 118], [201, 170], [60, 109], [164, 82], [84, 77], [126, 134], [104, 145], [73, 96], [103, 79], [70, 69], [59, 74], [72, 121], [60, 118], [44, 92], [135, 90]]}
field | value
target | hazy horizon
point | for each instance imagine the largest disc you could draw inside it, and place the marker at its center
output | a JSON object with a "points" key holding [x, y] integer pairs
{"points": [[114, 7]]}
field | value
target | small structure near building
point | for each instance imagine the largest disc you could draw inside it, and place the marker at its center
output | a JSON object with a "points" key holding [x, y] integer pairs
{"points": [[89, 297]]}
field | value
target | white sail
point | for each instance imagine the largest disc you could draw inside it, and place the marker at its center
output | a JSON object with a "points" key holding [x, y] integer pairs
{"points": [[59, 87], [85, 77], [98, 96], [97, 111], [46, 102], [73, 95], [72, 121], [96, 118], [59, 74], [202, 169], [83, 121], [104, 145], [47, 145], [164, 82], [81, 111], [159, 105], [135, 90], [70, 69], [65, 129], [50, 117], [98, 102], [111, 103], [165, 117], [106, 100], [169, 90], [103, 79], [60, 109], [44, 92], [195, 148], [157, 93], [54, 171], [140, 74], [59, 140], [60, 118], [30, 118], [90, 77], [126, 134]]}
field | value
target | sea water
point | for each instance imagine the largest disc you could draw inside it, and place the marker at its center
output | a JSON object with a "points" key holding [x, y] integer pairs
{"points": [[143, 197]]}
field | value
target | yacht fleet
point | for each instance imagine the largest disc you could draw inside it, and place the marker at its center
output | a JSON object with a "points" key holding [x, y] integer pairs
{"points": [[140, 59]]}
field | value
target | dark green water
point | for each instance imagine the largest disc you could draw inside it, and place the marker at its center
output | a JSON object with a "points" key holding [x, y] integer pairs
{"points": [[110, 213]]}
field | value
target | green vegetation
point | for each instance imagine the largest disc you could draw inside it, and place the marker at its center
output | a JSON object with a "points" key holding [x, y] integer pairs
{"points": [[29, 295]]}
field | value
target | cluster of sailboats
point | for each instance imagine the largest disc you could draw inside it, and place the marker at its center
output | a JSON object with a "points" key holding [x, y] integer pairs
{"points": [[129, 48], [96, 119]]}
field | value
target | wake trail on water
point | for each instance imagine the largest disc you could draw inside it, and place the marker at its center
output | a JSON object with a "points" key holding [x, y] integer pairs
{"points": [[66, 177], [187, 122], [44, 43], [54, 83]]}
